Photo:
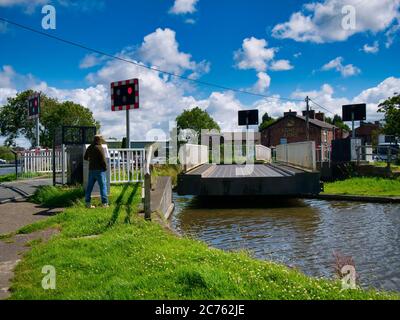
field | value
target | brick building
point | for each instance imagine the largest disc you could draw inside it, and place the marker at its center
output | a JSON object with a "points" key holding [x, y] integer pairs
{"points": [[291, 128], [368, 131]]}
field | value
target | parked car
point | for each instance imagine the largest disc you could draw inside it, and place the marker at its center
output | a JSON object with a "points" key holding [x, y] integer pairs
{"points": [[3, 161], [383, 151]]}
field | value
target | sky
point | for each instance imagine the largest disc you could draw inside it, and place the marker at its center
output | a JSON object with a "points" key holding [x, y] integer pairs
{"points": [[335, 51]]}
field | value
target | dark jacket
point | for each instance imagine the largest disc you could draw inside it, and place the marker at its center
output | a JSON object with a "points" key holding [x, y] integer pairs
{"points": [[95, 155]]}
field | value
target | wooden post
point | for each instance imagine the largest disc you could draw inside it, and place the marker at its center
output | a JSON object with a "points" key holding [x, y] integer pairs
{"points": [[147, 195], [389, 158]]}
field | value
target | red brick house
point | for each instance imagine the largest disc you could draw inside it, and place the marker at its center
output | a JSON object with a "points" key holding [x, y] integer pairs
{"points": [[367, 131], [291, 128]]}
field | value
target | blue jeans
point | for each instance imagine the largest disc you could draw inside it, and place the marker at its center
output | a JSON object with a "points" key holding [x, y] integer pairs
{"points": [[101, 178]]}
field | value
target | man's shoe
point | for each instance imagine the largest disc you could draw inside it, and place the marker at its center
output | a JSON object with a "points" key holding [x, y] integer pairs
{"points": [[106, 205], [89, 206]]}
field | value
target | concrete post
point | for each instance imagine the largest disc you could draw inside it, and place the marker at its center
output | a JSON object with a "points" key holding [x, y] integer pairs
{"points": [[147, 196]]}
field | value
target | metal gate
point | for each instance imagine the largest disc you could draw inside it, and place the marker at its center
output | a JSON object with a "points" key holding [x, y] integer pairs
{"points": [[127, 165]]}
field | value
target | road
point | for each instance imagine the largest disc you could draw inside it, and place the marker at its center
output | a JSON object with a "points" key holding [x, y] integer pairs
{"points": [[10, 191]]}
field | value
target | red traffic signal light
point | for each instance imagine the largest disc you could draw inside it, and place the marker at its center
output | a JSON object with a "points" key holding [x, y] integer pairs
{"points": [[125, 95], [34, 106]]}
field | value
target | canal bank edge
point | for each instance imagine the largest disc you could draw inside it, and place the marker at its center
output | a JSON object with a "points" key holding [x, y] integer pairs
{"points": [[354, 198]]}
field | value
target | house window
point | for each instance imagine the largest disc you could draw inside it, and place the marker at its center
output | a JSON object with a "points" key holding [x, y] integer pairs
{"points": [[324, 136]]}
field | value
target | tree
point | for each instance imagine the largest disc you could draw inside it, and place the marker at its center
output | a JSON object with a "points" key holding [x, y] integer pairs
{"points": [[196, 119], [391, 108], [14, 120], [266, 122], [338, 122], [6, 154]]}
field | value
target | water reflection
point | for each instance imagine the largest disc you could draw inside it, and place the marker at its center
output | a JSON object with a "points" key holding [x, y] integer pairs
{"points": [[301, 233]]}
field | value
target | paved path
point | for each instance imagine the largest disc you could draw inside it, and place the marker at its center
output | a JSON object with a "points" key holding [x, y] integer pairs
{"points": [[14, 216], [11, 191]]}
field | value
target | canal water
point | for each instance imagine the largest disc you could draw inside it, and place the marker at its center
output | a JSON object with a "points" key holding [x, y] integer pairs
{"points": [[301, 233]]}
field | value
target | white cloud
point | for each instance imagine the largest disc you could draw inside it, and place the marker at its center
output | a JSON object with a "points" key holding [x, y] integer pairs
{"points": [[392, 34], [345, 70], [321, 22], [374, 48], [161, 49], [263, 83], [190, 21], [91, 60], [223, 106], [281, 65], [254, 54], [371, 96], [184, 6], [6, 76]]}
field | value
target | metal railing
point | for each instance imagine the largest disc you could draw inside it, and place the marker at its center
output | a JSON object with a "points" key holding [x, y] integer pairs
{"points": [[300, 154], [127, 165], [263, 153], [386, 154]]}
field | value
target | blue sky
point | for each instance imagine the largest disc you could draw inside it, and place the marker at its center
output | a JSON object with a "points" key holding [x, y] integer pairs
{"points": [[276, 48]]}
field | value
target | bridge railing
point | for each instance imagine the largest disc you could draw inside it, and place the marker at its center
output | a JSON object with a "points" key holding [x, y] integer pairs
{"points": [[127, 165], [263, 153], [192, 156], [301, 154]]}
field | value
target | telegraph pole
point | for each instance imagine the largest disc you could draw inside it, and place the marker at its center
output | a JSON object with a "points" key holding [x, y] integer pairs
{"points": [[308, 118]]}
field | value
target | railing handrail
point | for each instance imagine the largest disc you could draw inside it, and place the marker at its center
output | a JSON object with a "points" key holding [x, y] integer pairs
{"points": [[122, 149]]}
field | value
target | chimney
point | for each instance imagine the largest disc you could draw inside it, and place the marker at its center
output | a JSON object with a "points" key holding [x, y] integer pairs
{"points": [[320, 116], [290, 113], [311, 114]]}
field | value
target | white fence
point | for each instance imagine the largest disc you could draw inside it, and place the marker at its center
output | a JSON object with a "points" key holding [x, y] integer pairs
{"points": [[263, 153], [127, 165], [301, 154], [192, 156], [40, 161], [323, 154]]}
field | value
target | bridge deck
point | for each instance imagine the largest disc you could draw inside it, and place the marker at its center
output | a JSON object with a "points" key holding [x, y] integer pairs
{"points": [[259, 179]]}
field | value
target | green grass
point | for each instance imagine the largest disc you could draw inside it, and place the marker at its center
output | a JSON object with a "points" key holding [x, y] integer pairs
{"points": [[12, 177], [167, 170], [53, 197], [365, 187], [114, 254], [394, 167], [7, 178]]}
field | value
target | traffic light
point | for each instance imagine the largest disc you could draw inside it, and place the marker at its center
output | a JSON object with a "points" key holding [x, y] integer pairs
{"points": [[125, 95], [34, 106]]}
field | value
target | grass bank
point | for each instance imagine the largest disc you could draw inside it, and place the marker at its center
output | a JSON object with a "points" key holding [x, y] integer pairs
{"points": [[12, 177], [114, 254], [169, 170], [365, 187], [394, 167]]}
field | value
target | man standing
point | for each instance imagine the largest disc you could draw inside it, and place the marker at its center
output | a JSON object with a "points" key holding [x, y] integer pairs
{"points": [[97, 171]]}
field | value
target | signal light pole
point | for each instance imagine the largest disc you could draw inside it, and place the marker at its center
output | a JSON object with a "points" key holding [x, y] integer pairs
{"points": [[308, 118], [34, 113], [125, 96]]}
